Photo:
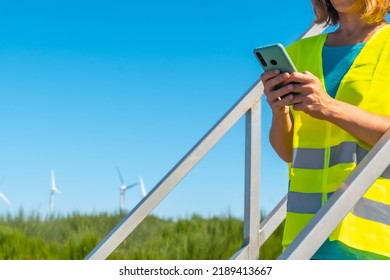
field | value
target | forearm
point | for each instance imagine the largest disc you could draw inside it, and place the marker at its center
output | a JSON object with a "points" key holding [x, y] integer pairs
{"points": [[281, 135], [365, 126], [314, 101]]}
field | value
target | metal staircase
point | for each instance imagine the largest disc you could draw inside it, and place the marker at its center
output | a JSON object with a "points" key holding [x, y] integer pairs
{"points": [[375, 163]]}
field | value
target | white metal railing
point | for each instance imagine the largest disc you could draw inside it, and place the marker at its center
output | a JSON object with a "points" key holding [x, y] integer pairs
{"points": [[249, 105], [255, 233]]}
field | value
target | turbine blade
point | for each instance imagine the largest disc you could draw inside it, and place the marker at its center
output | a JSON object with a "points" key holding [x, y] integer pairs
{"points": [[131, 186], [120, 176], [53, 181], [5, 199], [143, 190]]}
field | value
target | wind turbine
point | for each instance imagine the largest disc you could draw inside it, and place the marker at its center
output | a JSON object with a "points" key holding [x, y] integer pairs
{"points": [[122, 189], [5, 199], [143, 190], [53, 190], [2, 196]]}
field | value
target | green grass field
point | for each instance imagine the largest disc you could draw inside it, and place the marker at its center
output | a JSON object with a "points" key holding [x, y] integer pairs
{"points": [[72, 237]]}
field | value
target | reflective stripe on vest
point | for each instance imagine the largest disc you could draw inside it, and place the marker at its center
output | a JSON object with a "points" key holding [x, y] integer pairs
{"points": [[346, 152], [310, 203]]}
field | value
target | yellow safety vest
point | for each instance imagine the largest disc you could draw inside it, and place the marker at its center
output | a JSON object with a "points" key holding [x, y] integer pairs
{"points": [[324, 154]]}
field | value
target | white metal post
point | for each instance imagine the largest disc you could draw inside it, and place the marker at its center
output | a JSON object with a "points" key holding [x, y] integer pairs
{"points": [[251, 245]]}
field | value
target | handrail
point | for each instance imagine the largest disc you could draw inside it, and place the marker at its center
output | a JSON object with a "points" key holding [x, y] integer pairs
{"points": [[273, 220], [249, 104], [156, 195], [373, 165]]}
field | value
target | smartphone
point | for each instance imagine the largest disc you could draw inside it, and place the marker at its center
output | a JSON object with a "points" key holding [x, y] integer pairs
{"points": [[274, 57]]}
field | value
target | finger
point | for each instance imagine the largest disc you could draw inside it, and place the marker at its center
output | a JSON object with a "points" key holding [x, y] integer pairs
{"points": [[279, 104], [308, 73], [298, 106], [269, 75], [300, 90], [272, 84], [282, 93], [301, 78]]}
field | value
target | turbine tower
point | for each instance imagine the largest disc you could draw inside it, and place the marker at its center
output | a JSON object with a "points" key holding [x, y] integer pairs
{"points": [[53, 190], [122, 189], [2, 195]]}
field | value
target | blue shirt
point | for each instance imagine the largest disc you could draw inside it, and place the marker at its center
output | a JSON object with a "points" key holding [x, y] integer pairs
{"points": [[336, 62]]}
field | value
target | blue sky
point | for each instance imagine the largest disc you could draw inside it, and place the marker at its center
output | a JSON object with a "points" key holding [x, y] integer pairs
{"points": [[89, 86]]}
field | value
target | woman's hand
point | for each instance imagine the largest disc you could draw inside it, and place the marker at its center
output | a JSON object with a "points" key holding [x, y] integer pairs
{"points": [[278, 98], [311, 97]]}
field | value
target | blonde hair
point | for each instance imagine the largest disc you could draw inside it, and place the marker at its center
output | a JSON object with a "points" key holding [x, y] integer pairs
{"points": [[374, 11]]}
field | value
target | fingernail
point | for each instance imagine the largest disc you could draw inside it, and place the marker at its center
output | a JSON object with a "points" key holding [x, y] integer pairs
{"points": [[277, 72]]}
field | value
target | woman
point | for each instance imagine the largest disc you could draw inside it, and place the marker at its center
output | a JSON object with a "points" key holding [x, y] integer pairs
{"points": [[328, 115]]}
